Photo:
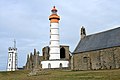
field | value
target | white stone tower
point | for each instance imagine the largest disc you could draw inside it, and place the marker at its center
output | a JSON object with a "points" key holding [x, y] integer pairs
{"points": [[54, 54], [54, 35], [12, 58]]}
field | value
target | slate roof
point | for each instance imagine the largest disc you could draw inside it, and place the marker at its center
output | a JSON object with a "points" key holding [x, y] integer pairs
{"points": [[106, 39]]}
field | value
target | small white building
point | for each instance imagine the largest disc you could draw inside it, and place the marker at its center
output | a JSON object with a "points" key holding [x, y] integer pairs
{"points": [[12, 58]]}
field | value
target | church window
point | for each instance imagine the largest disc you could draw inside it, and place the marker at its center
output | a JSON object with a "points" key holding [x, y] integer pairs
{"points": [[85, 59]]}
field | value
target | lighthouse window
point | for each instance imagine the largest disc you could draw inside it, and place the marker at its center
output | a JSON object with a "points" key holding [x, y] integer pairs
{"points": [[10, 55], [9, 64], [10, 60]]}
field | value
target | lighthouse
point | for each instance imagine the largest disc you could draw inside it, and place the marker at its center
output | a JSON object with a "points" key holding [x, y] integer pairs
{"points": [[54, 54], [54, 35], [12, 58]]}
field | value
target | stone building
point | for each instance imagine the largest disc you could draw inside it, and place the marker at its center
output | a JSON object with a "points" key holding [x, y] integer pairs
{"points": [[64, 52], [34, 60], [97, 51]]}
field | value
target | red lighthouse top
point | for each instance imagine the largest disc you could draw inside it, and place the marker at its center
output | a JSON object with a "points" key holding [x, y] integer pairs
{"points": [[54, 9], [54, 18]]}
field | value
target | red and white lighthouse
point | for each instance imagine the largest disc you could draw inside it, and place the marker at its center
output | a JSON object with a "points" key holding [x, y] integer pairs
{"points": [[54, 54], [54, 35]]}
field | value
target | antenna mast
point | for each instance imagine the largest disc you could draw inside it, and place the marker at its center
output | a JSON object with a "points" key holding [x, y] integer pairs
{"points": [[14, 43]]}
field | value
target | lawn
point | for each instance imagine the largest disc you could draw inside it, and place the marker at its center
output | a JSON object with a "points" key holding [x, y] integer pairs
{"points": [[62, 75]]}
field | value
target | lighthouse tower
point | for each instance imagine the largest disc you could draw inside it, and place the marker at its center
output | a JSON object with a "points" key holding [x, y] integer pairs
{"points": [[54, 35], [54, 54], [12, 58]]}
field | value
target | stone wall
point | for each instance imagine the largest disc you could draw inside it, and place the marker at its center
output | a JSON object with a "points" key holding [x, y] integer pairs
{"points": [[67, 55], [99, 59], [45, 52], [33, 61]]}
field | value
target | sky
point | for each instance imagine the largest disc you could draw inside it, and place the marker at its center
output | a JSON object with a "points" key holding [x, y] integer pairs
{"points": [[27, 22]]}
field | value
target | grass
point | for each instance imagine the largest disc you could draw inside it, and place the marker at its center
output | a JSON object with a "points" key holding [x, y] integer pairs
{"points": [[62, 75]]}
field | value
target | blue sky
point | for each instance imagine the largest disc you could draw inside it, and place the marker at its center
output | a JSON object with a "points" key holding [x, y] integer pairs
{"points": [[27, 22]]}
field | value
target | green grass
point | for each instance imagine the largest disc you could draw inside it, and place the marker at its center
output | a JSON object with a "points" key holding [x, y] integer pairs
{"points": [[62, 75]]}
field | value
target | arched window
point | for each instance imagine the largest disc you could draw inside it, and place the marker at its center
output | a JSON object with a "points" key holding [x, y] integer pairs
{"points": [[62, 53], [60, 65], [85, 59], [49, 65]]}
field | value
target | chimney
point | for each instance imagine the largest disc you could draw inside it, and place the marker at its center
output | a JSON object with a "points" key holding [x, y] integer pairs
{"points": [[83, 32]]}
